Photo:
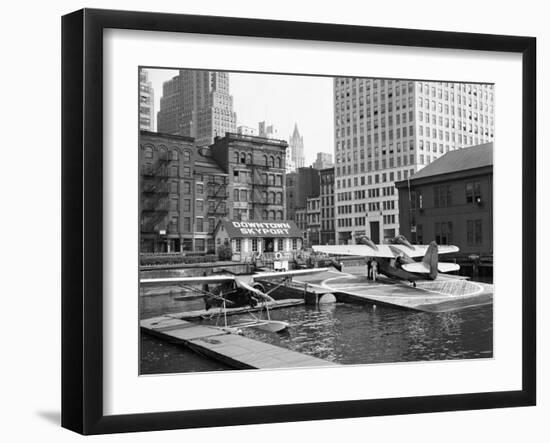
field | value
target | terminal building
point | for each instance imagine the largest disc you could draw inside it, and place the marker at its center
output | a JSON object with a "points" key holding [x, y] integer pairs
{"points": [[251, 239], [451, 201]]}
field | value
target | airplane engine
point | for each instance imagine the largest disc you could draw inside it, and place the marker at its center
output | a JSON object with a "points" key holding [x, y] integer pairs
{"points": [[402, 240], [364, 240]]}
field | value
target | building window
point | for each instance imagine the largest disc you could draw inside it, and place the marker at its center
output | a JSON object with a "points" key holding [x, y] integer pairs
{"points": [[200, 224], [443, 233], [474, 234], [279, 244], [294, 244], [442, 196], [419, 234], [473, 192], [200, 245], [254, 245]]}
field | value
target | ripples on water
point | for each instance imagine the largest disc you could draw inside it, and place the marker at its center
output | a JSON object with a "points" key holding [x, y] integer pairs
{"points": [[343, 333], [355, 334]]}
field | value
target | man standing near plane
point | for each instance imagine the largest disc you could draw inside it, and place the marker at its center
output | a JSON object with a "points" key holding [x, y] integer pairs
{"points": [[374, 266]]}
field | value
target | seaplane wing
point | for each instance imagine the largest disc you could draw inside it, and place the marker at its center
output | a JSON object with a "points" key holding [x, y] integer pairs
{"points": [[210, 279], [424, 268], [383, 251], [276, 274]]}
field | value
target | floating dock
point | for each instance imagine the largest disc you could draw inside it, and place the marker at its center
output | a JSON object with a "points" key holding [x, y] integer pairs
{"points": [[446, 293], [232, 349]]}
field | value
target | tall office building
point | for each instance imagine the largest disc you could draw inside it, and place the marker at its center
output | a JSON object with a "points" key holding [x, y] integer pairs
{"points": [[146, 102], [385, 131], [197, 104], [296, 144], [267, 131]]}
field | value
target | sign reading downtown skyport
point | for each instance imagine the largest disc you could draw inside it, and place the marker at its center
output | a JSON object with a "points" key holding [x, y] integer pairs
{"points": [[286, 229]]}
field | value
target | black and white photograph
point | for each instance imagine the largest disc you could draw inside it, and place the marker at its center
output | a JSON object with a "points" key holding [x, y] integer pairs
{"points": [[294, 221]]}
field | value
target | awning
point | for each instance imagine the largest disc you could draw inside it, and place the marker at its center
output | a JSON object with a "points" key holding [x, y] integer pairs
{"points": [[251, 229]]}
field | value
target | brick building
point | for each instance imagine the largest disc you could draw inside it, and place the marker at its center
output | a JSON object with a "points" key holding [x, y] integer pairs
{"points": [[183, 193], [328, 234], [300, 185], [451, 201], [255, 167]]}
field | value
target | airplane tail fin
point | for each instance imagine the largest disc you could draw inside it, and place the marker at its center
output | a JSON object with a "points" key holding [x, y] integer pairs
{"points": [[431, 259]]}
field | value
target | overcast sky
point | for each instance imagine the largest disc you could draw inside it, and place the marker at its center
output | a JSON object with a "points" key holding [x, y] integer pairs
{"points": [[282, 100]]}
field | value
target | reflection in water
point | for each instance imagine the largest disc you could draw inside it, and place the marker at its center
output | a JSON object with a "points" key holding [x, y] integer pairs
{"points": [[354, 334]]}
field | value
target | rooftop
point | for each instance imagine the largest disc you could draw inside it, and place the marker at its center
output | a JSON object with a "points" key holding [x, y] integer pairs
{"points": [[474, 157]]}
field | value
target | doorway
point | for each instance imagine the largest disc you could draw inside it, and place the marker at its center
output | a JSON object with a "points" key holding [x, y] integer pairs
{"points": [[269, 245], [375, 232]]}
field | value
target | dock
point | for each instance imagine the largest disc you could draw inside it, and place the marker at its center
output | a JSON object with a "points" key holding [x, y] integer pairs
{"points": [[446, 293], [227, 347]]}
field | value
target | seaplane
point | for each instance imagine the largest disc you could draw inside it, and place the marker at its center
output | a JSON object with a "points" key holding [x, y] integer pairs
{"points": [[396, 259], [237, 291]]}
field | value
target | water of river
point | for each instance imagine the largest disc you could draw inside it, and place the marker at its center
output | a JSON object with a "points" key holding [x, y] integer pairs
{"points": [[343, 333]]}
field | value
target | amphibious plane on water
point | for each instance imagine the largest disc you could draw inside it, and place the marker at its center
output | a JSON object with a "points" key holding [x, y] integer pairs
{"points": [[396, 260], [233, 291]]}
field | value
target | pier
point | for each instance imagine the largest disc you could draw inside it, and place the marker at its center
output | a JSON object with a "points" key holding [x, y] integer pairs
{"points": [[446, 293], [227, 347]]}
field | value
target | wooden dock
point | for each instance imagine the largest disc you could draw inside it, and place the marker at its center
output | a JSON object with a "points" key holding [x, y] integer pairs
{"points": [[232, 349]]}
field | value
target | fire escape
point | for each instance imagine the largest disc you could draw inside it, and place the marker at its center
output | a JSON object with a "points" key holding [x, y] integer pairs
{"points": [[216, 191], [259, 189], [155, 190]]}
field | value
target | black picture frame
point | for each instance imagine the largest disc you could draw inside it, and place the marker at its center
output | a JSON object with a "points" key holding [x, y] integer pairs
{"points": [[82, 218]]}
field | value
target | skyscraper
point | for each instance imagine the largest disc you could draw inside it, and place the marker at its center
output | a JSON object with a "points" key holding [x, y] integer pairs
{"points": [[197, 104], [385, 131], [323, 161], [146, 102], [296, 143], [267, 131]]}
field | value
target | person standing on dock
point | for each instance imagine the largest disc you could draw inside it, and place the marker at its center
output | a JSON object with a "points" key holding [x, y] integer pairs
{"points": [[369, 268], [374, 266]]}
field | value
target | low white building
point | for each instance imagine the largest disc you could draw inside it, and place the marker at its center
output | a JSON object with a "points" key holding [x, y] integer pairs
{"points": [[252, 240]]}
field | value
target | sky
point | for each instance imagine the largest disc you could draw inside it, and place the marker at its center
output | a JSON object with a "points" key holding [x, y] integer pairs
{"points": [[281, 100]]}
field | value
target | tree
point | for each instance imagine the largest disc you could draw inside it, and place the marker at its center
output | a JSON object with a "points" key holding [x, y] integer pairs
{"points": [[224, 251]]}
